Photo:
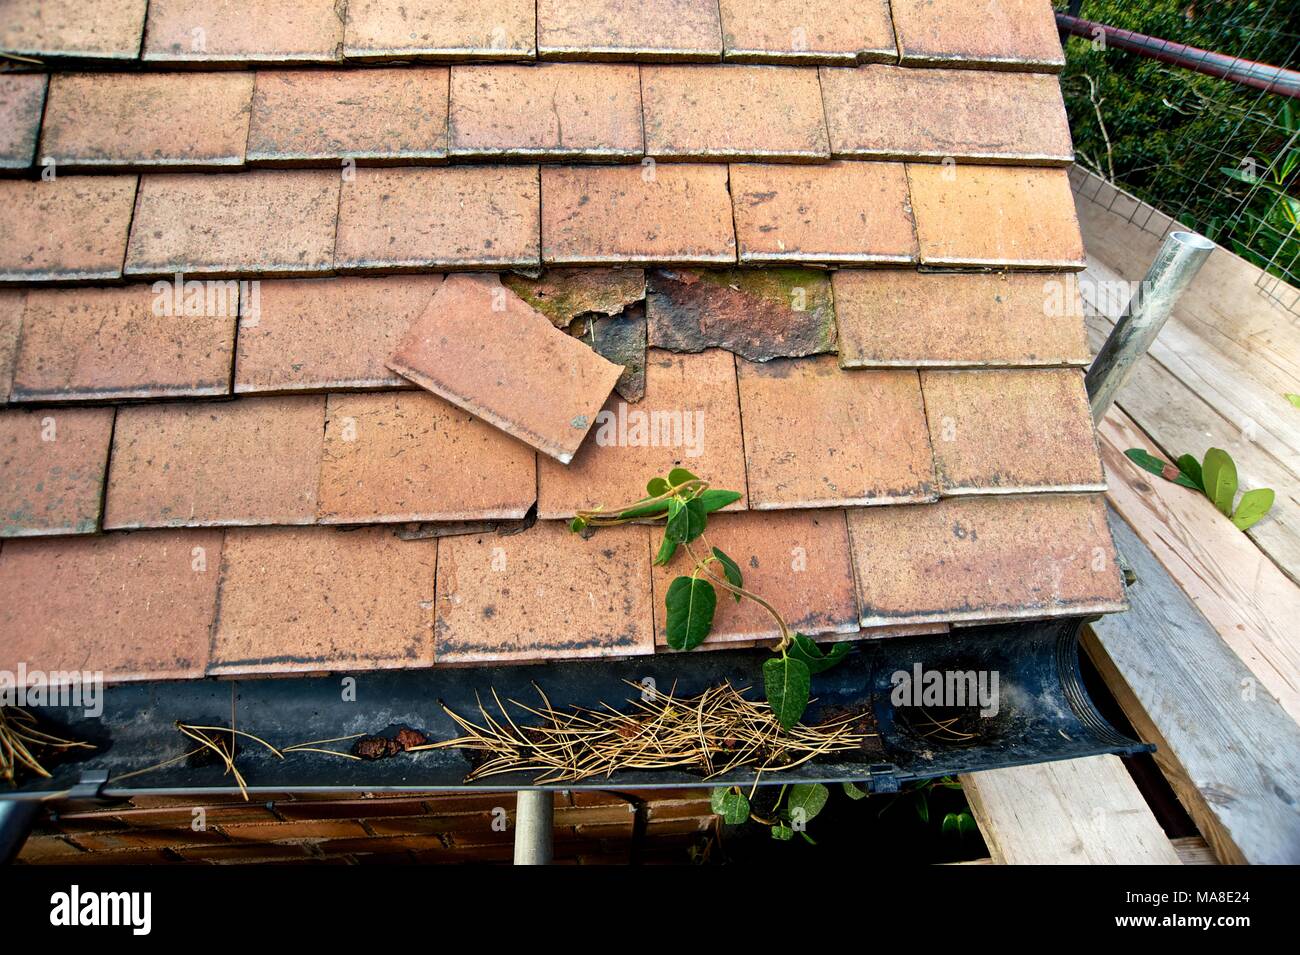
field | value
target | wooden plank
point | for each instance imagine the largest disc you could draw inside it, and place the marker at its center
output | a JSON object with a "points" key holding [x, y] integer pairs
{"points": [[1191, 850], [1226, 745], [1081, 811]]}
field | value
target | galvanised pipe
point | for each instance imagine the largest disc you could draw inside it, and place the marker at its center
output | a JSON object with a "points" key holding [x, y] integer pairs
{"points": [[534, 817]]}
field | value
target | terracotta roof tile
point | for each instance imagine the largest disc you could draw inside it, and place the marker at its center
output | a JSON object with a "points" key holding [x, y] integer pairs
{"points": [[46, 28], [1003, 431], [12, 303], [532, 596], [839, 212], [916, 319], [985, 558], [130, 606], [807, 31], [123, 342], [935, 114], [379, 115], [72, 227], [52, 470], [648, 30], [817, 436], [441, 29], [310, 599], [1008, 34], [458, 217], [243, 31], [549, 111], [564, 294], [222, 224], [251, 461], [22, 97], [733, 112], [410, 456], [995, 216]]}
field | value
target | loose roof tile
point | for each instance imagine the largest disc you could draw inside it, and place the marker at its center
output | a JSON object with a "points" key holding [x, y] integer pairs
{"points": [[690, 418], [1001, 431], [1007, 34], [440, 29], [250, 461], [564, 294], [835, 213], [314, 334], [243, 31], [807, 31], [481, 347], [52, 470], [533, 596], [12, 303], [59, 28], [995, 216], [549, 111], [22, 98], [817, 435], [66, 228], [123, 342], [939, 114], [312, 599], [261, 222], [457, 217], [609, 29], [902, 317], [377, 115], [798, 560], [733, 112], [670, 213], [985, 558], [410, 456], [129, 606]]}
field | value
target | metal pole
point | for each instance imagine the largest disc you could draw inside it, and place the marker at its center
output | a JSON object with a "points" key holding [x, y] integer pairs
{"points": [[16, 817], [534, 814], [1180, 257]]}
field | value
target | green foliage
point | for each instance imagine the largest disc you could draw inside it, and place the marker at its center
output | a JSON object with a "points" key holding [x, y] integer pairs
{"points": [[1216, 478], [690, 603], [787, 683], [729, 803]]}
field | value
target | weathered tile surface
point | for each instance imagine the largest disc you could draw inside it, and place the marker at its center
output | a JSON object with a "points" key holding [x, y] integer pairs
{"points": [[12, 303], [1007, 34], [124, 342], [410, 456], [689, 418], [243, 31], [998, 431], [52, 470], [221, 224], [132, 606], [313, 334], [376, 115], [483, 348], [807, 31], [307, 599], [595, 215], [440, 29], [621, 339], [72, 227], [935, 114], [549, 111], [22, 97], [733, 112], [251, 461], [650, 30], [839, 212], [545, 594], [457, 217], [995, 216], [910, 318], [817, 435], [44, 28], [564, 294], [985, 558]]}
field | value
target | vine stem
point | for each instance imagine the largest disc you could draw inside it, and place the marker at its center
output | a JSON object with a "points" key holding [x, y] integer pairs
{"points": [[601, 517], [702, 565]]}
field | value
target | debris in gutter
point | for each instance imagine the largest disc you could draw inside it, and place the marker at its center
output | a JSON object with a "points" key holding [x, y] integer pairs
{"points": [[382, 747], [23, 745], [563, 295], [622, 339]]}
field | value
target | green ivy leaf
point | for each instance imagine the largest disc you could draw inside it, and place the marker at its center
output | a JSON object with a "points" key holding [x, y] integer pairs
{"points": [[923, 806], [732, 806], [782, 833], [679, 521], [966, 824], [807, 799], [1254, 505], [644, 510], [577, 525], [787, 683], [656, 487], [1294, 399], [853, 791], [690, 604], [1191, 469], [802, 648], [714, 500], [1149, 462], [1219, 473], [696, 519], [731, 570], [679, 476], [950, 826], [666, 550]]}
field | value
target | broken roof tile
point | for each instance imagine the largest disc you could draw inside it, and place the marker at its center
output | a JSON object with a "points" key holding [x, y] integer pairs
{"points": [[533, 596], [1006, 34], [379, 115], [609, 29], [995, 216], [807, 31], [937, 114], [549, 111], [440, 30], [690, 418], [52, 470], [677, 213], [197, 464], [410, 456], [22, 98], [985, 558], [311, 599], [902, 317], [313, 334], [621, 339], [55, 28], [817, 435], [756, 313], [837, 212], [454, 217], [70, 227], [121, 342], [481, 347], [733, 112], [564, 294], [1001, 431], [243, 31], [12, 303], [220, 224]]}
